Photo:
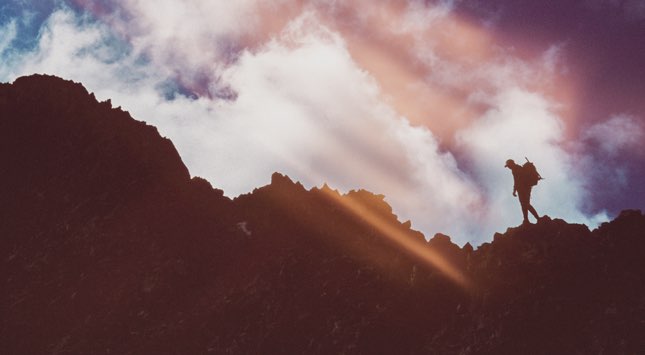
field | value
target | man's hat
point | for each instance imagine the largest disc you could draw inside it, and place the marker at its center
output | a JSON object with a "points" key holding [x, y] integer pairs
{"points": [[509, 163]]}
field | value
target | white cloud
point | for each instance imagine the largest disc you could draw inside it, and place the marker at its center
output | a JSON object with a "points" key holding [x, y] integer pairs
{"points": [[604, 150], [80, 50], [617, 134], [8, 33], [194, 39], [306, 109]]}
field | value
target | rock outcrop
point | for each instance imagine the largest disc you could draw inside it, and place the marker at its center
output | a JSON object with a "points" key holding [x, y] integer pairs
{"points": [[107, 245]]}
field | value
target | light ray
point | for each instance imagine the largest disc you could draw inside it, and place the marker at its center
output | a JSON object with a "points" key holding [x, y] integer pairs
{"points": [[418, 248]]}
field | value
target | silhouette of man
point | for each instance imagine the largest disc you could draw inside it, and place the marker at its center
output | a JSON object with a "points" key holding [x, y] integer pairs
{"points": [[522, 188]]}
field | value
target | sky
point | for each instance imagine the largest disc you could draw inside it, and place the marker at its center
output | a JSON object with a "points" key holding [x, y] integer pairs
{"points": [[421, 101]]}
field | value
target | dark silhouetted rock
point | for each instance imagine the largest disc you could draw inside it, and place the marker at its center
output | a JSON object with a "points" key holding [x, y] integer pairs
{"points": [[107, 245]]}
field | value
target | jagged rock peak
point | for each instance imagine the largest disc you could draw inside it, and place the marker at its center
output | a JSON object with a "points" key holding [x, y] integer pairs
{"points": [[280, 179], [69, 117]]}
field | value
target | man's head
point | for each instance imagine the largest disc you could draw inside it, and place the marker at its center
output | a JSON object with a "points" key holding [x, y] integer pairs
{"points": [[509, 163]]}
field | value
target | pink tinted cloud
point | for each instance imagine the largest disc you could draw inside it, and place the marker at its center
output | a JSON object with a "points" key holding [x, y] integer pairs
{"points": [[427, 60]]}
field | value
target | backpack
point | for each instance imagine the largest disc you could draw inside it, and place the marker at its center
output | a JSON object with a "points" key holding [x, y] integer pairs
{"points": [[531, 176]]}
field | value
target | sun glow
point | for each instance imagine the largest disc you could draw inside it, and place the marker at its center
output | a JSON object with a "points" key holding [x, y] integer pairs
{"points": [[416, 247]]}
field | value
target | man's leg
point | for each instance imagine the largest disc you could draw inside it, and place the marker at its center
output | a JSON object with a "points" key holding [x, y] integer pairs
{"points": [[530, 207], [524, 196], [525, 213], [533, 212]]}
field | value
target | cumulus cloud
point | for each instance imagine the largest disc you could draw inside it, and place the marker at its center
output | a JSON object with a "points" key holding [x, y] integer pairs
{"points": [[403, 99], [9, 32], [306, 109], [606, 153], [620, 133]]}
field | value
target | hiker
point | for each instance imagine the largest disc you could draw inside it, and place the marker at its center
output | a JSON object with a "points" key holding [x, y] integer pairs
{"points": [[522, 185]]}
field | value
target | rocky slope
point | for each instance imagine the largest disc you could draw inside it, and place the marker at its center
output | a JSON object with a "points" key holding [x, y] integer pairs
{"points": [[107, 245]]}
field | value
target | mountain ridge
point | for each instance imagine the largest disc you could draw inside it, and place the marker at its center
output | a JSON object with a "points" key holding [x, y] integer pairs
{"points": [[108, 245]]}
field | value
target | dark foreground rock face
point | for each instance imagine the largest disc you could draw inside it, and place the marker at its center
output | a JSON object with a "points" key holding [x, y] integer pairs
{"points": [[108, 246]]}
